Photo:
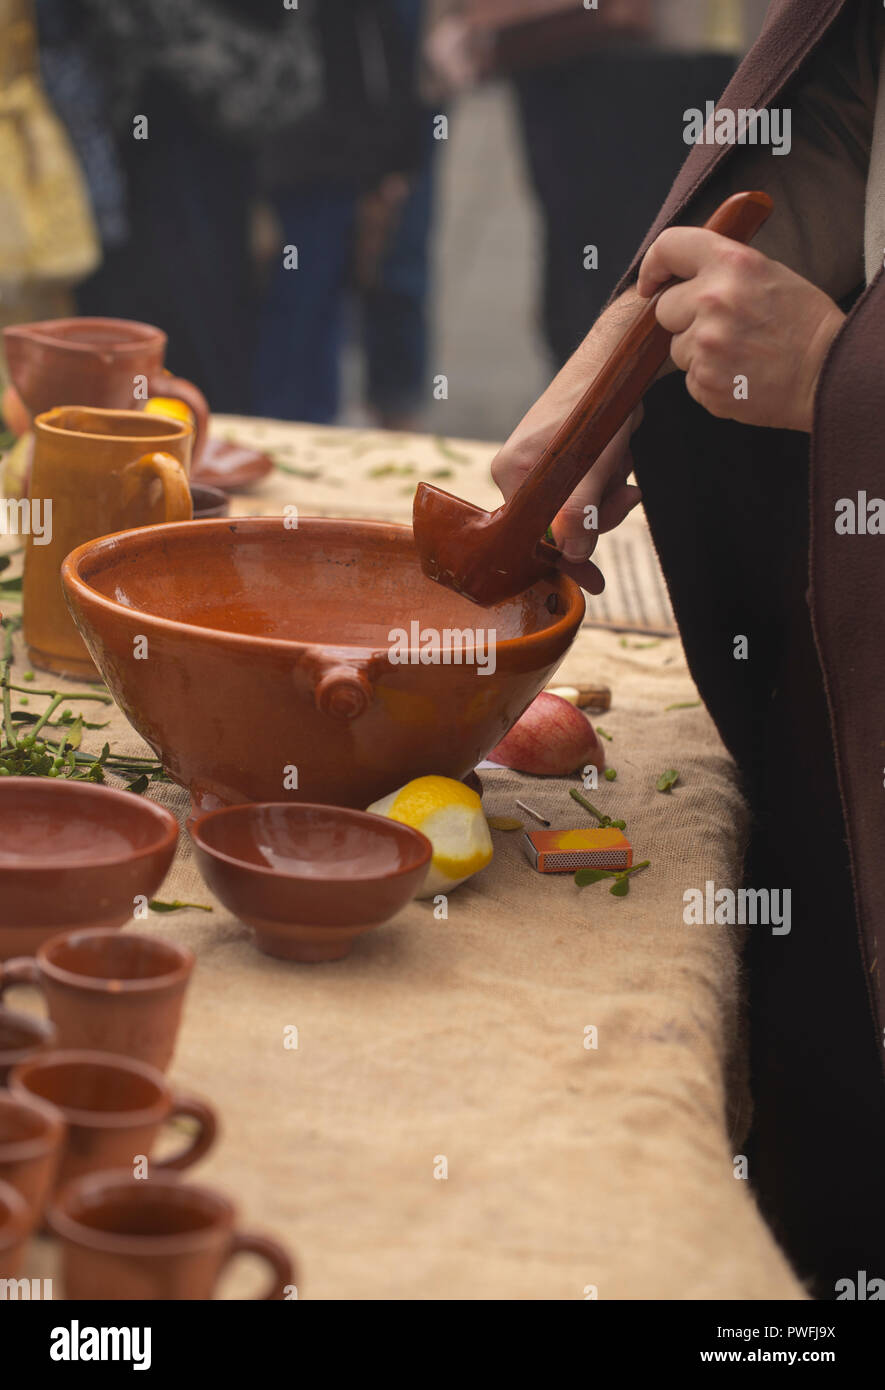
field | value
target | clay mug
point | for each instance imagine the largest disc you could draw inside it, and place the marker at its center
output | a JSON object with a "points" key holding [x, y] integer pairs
{"points": [[156, 1239], [20, 1037], [109, 363], [109, 991], [95, 472], [32, 1133], [15, 1226], [113, 1108]]}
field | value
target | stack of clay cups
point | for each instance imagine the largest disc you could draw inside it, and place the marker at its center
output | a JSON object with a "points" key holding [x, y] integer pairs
{"points": [[84, 1102]]}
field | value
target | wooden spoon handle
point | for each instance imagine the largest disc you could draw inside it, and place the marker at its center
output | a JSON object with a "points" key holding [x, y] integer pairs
{"points": [[613, 394]]}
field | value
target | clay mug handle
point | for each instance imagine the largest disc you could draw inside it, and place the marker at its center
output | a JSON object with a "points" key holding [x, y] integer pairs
{"points": [[21, 970], [202, 1141], [165, 384], [246, 1242], [177, 503]]}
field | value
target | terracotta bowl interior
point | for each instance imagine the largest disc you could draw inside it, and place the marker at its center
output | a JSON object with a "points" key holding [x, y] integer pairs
{"points": [[111, 956], [319, 584], [90, 1086], [322, 843], [61, 825], [115, 1205], [25, 1126]]}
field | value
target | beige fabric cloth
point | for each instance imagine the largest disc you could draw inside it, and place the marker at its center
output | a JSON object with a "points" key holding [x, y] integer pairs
{"points": [[568, 1168]]}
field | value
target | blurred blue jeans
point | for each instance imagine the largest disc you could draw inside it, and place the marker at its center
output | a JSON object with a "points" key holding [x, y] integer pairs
{"points": [[304, 321]]}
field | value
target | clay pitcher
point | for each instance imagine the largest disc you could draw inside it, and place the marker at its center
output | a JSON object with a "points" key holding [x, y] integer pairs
{"points": [[114, 364], [95, 472]]}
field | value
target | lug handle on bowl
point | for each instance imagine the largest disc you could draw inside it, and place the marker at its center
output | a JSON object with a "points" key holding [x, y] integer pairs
{"points": [[343, 692]]}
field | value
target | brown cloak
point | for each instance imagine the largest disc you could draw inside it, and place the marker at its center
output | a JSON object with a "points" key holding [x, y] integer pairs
{"points": [[744, 523]]}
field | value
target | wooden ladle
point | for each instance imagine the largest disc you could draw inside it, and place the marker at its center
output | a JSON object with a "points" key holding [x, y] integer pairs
{"points": [[491, 556]]}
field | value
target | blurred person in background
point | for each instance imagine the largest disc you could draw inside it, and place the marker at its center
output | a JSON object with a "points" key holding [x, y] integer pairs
{"points": [[353, 197], [214, 79], [600, 95], [48, 237]]}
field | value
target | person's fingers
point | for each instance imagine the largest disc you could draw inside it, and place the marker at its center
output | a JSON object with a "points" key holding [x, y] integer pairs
{"points": [[679, 251], [618, 504], [677, 308], [588, 575], [576, 526]]}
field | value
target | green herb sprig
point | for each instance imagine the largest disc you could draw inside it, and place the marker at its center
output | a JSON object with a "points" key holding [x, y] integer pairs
{"points": [[621, 886], [605, 822]]}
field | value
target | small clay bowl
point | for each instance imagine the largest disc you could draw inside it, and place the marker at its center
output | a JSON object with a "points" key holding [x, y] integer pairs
{"points": [[208, 501], [308, 878], [20, 1037], [75, 854]]}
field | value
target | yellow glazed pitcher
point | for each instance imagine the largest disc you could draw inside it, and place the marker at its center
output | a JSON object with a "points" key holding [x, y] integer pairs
{"points": [[95, 472]]}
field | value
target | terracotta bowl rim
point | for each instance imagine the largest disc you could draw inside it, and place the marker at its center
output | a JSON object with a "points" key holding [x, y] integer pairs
{"points": [[40, 332], [54, 787], [156, 1112], [18, 1227], [395, 828], [22, 1150], [79, 980], [70, 1228], [566, 588]]}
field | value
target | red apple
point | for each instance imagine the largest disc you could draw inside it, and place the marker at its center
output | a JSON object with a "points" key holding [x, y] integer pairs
{"points": [[552, 739]]}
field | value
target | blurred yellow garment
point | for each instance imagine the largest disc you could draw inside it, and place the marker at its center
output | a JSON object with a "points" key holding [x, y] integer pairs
{"points": [[47, 232]]}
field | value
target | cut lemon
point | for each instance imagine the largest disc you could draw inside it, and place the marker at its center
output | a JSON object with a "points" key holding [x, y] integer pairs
{"points": [[451, 817], [170, 407]]}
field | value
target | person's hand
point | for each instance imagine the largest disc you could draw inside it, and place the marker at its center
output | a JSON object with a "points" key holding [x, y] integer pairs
{"points": [[750, 334], [605, 487], [455, 54]]}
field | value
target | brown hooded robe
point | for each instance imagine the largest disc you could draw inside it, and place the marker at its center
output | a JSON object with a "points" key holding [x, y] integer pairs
{"points": [[744, 522]]}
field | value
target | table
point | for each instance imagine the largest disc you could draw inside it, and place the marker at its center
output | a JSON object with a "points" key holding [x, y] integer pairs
{"points": [[445, 1127]]}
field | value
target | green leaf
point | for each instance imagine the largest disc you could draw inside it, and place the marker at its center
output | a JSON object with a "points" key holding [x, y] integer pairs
{"points": [[621, 888], [157, 906], [684, 704], [5, 562], [11, 586], [667, 780], [139, 785], [585, 876], [611, 774]]}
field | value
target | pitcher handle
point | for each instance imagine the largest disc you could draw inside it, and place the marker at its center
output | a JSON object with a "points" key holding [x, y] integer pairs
{"points": [[177, 503], [180, 389]]}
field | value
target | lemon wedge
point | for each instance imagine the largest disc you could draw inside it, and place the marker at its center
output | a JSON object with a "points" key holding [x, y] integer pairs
{"points": [[451, 817], [170, 407]]}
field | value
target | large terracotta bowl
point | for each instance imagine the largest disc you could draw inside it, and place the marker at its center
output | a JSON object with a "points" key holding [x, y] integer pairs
{"points": [[75, 854], [268, 656]]}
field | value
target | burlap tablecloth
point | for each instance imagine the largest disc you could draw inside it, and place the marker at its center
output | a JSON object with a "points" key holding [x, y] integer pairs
{"points": [[441, 1130]]}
